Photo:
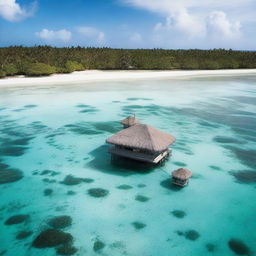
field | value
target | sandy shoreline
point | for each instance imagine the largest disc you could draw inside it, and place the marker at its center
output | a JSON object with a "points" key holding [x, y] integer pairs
{"points": [[96, 75]]}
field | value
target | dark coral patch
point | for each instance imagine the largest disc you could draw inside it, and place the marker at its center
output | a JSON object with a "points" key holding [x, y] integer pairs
{"points": [[21, 141], [23, 234], [210, 247], [180, 164], [49, 180], [88, 180], [30, 106], [10, 175], [214, 167], [179, 233], [110, 127], [82, 106], [52, 238], [142, 198], [18, 109], [207, 124], [133, 107], [245, 176], [88, 110], [38, 126], [53, 135], [98, 245], [136, 98], [124, 187], [17, 219], [144, 110], [239, 247], [66, 250], [71, 180], [138, 225], [179, 214], [83, 128], [245, 156], [118, 245], [12, 150], [141, 185], [15, 144], [196, 176], [98, 192], [191, 235], [185, 150], [3, 165], [49, 172], [48, 192], [60, 222], [71, 193], [224, 139]]}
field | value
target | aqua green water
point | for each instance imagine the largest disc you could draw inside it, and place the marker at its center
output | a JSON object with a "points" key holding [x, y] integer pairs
{"points": [[63, 129]]}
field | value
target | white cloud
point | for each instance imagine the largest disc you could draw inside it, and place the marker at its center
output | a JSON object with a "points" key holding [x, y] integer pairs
{"points": [[194, 23], [92, 33], [218, 24], [167, 7], [10, 10], [182, 22], [136, 37], [215, 24], [51, 35]]}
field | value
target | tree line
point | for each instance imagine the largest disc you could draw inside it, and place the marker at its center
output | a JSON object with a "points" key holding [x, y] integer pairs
{"points": [[46, 60]]}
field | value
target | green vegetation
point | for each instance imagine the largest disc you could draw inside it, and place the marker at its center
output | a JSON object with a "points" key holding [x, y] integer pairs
{"points": [[46, 60], [39, 69], [2, 74], [72, 66], [10, 69]]}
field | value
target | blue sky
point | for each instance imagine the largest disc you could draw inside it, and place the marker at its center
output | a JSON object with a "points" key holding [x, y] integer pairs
{"points": [[173, 24]]}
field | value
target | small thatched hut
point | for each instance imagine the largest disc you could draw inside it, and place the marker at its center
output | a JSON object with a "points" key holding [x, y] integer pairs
{"points": [[129, 121], [141, 142], [181, 176]]}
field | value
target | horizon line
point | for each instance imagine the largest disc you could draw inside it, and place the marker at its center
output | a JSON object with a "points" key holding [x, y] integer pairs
{"points": [[119, 48]]}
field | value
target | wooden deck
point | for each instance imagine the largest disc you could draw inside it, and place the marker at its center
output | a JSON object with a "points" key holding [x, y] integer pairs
{"points": [[139, 156]]}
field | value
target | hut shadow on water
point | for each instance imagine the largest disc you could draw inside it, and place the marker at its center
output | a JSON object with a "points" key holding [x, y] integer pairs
{"points": [[117, 165], [169, 185]]}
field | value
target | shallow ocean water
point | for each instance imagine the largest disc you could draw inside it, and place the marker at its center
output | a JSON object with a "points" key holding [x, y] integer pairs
{"points": [[63, 129]]}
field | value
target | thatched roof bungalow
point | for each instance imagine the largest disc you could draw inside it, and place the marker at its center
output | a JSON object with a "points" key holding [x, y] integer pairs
{"points": [[129, 121], [181, 176], [141, 142]]}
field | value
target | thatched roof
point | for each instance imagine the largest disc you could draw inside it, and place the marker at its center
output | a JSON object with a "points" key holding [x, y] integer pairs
{"points": [[182, 173], [142, 136], [129, 121]]}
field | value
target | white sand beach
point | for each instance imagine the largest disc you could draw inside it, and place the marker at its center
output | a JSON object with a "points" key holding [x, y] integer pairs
{"points": [[97, 75]]}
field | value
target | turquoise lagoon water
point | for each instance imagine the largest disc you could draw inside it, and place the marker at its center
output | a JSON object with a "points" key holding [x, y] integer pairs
{"points": [[63, 129]]}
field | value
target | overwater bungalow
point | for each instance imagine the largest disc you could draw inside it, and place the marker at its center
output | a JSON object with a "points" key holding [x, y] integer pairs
{"points": [[181, 176], [129, 121], [141, 142]]}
